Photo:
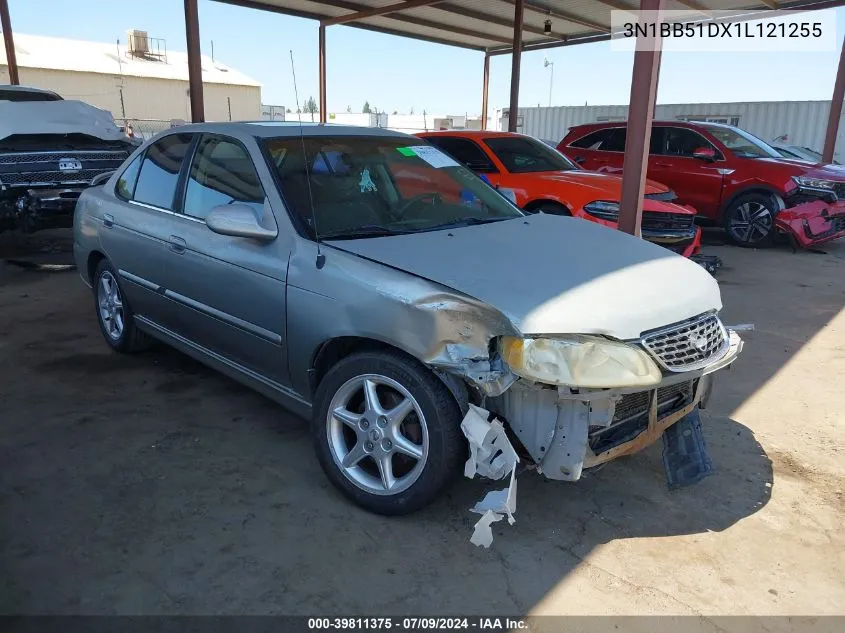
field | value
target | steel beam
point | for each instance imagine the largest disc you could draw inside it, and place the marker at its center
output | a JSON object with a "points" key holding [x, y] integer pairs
{"points": [[640, 114], [484, 90], [9, 41], [371, 13], [322, 62], [192, 35], [518, 13], [835, 110]]}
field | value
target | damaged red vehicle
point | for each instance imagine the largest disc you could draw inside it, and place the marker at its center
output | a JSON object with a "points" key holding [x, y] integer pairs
{"points": [[812, 223]]}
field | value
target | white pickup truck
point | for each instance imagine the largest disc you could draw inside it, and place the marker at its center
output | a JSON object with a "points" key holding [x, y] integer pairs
{"points": [[50, 151]]}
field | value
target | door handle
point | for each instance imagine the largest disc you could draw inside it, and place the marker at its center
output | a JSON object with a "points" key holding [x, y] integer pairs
{"points": [[108, 220], [177, 244], [658, 164]]}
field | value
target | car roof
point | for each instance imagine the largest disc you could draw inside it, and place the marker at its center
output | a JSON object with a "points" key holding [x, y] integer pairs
{"points": [[474, 134], [293, 129], [9, 88], [601, 124]]}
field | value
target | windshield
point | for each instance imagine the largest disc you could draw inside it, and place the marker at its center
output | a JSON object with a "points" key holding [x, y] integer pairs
{"points": [[521, 155], [742, 143], [369, 186]]}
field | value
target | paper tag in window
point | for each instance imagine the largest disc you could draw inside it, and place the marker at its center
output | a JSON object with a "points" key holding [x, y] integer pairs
{"points": [[429, 154]]}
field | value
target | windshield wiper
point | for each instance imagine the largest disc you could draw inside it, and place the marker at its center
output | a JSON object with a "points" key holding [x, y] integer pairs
{"points": [[454, 224], [360, 232]]}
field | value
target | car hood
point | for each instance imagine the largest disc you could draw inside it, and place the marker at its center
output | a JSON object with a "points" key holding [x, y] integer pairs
{"points": [[826, 172], [554, 275], [56, 117], [607, 186]]}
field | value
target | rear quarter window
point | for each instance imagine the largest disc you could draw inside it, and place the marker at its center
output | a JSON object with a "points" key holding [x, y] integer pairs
{"points": [[156, 184]]}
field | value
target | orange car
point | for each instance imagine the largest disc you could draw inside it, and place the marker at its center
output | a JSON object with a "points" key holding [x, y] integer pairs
{"points": [[539, 178]]}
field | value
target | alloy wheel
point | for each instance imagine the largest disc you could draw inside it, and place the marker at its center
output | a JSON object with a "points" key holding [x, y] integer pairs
{"points": [[751, 223], [111, 305], [377, 434]]}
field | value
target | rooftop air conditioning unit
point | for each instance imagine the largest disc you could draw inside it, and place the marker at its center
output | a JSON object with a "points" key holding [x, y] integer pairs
{"points": [[138, 42]]}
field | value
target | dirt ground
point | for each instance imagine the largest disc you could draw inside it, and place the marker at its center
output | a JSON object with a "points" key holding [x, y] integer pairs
{"points": [[150, 485]]}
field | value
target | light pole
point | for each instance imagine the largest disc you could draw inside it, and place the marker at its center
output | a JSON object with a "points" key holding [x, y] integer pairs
{"points": [[548, 64]]}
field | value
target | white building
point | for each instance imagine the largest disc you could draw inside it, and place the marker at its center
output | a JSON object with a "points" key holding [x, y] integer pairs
{"points": [[803, 122], [141, 81]]}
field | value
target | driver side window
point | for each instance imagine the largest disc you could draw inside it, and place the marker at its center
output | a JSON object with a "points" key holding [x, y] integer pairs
{"points": [[464, 151], [222, 173]]}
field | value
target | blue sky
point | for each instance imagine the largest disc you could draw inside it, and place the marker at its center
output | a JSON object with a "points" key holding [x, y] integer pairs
{"points": [[397, 73]]}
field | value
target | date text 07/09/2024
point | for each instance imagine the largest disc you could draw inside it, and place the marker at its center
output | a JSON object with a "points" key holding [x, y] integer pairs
{"points": [[418, 624]]}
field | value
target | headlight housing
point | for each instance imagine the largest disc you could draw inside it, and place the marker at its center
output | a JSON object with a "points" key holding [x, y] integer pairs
{"points": [[814, 183], [603, 210], [579, 361]]}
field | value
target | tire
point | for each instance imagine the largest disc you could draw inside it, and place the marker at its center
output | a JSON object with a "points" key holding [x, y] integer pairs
{"points": [[552, 208], [749, 221], [363, 436], [114, 314]]}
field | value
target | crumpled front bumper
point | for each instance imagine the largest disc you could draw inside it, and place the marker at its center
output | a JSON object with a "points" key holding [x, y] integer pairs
{"points": [[565, 431], [813, 223]]}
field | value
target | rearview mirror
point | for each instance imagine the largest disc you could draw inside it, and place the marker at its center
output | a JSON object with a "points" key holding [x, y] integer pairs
{"points": [[241, 220], [705, 153]]}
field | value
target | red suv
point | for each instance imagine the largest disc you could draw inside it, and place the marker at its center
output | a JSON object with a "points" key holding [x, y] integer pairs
{"points": [[730, 176]]}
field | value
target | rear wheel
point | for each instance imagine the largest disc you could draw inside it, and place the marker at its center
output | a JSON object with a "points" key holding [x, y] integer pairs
{"points": [[750, 220], [387, 432], [114, 314]]}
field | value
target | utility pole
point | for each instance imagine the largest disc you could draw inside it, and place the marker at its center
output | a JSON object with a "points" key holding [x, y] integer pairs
{"points": [[548, 64], [120, 87]]}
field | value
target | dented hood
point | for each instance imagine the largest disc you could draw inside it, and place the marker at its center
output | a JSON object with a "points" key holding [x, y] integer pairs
{"points": [[56, 117], [554, 275]]}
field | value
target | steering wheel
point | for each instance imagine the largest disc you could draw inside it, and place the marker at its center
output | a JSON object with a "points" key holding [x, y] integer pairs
{"points": [[421, 197]]}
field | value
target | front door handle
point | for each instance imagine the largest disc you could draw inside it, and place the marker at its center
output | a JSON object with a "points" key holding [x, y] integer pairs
{"points": [[108, 220], [177, 244]]}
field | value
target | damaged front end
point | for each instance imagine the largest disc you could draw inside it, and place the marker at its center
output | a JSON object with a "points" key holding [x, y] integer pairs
{"points": [[812, 223], [566, 428]]}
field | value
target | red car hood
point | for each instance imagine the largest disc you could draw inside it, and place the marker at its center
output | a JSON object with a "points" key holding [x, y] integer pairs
{"points": [[826, 172], [606, 187]]}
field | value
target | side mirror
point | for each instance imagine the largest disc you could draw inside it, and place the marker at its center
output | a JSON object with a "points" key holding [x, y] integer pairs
{"points": [[705, 153], [241, 220]]}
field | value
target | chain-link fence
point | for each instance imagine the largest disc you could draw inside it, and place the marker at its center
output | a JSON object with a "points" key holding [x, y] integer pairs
{"points": [[144, 129]]}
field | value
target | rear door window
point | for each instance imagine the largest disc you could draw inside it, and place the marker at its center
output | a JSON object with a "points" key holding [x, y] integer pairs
{"points": [[125, 188], [606, 140], [160, 171]]}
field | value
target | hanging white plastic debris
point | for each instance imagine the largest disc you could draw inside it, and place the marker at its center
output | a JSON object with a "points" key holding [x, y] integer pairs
{"points": [[500, 501], [491, 453], [482, 534]]}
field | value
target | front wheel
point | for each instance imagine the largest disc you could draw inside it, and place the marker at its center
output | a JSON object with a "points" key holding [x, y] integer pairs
{"points": [[750, 220], [387, 432]]}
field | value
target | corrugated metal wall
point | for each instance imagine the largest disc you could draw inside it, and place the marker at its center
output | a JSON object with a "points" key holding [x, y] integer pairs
{"points": [[803, 122]]}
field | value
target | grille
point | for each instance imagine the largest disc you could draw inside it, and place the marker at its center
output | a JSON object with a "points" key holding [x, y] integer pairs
{"points": [[633, 404], [54, 157], [50, 177], [655, 221], [688, 345]]}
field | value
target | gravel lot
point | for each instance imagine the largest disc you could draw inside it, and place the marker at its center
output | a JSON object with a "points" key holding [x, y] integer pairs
{"points": [[150, 485]]}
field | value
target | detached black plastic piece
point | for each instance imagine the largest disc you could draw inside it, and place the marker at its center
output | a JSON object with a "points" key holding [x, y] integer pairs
{"points": [[685, 457]]}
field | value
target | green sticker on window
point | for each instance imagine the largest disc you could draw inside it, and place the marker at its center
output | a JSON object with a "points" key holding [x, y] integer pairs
{"points": [[405, 151]]}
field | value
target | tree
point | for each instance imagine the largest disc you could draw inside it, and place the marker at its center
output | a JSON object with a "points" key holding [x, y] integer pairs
{"points": [[396, 112], [287, 110], [412, 110], [349, 108], [311, 107], [366, 108]]}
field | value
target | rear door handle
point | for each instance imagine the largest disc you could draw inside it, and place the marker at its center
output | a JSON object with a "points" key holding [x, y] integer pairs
{"points": [[108, 220], [177, 244]]}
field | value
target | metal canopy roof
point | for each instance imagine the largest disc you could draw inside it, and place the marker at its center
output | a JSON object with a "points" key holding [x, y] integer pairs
{"points": [[487, 25]]}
